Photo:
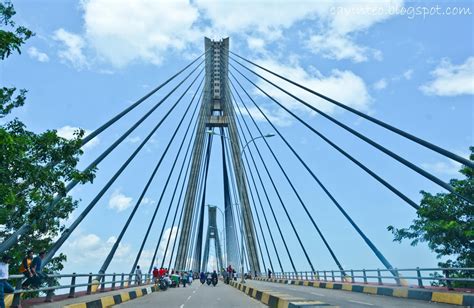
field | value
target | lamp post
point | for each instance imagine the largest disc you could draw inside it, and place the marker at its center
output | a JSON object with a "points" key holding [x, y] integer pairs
{"points": [[211, 132]]}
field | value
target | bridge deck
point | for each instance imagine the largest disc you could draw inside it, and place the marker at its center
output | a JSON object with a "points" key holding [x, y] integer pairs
{"points": [[343, 298], [196, 295]]}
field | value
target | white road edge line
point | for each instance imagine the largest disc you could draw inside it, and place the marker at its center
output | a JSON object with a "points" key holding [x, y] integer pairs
{"points": [[362, 303]]}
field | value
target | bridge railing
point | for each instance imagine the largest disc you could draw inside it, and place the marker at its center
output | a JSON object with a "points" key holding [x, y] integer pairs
{"points": [[420, 277], [76, 284]]}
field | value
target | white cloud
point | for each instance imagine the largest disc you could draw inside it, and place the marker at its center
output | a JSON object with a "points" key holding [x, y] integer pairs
{"points": [[34, 53], [277, 116], [408, 74], [86, 249], [122, 31], [339, 47], [72, 51], [133, 140], [119, 201], [148, 201], [451, 80], [380, 85], [67, 132], [341, 21], [450, 168], [256, 44], [125, 31], [344, 86]]}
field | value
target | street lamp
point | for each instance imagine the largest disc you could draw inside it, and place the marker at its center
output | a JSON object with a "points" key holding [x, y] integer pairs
{"points": [[211, 132]]}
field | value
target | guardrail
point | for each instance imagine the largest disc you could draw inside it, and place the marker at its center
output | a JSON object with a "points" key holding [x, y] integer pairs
{"points": [[87, 282], [443, 276]]}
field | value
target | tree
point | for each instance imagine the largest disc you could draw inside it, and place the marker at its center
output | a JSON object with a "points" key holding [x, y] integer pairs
{"points": [[446, 223], [33, 166]]}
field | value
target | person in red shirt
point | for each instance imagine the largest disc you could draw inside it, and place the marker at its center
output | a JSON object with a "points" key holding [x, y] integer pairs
{"points": [[155, 275]]}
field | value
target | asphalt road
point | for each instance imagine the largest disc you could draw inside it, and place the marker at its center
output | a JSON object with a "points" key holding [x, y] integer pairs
{"points": [[196, 295], [344, 298]]}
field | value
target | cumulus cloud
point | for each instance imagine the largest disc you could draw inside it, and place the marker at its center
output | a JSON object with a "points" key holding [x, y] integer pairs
{"points": [[68, 132], [34, 53], [341, 20], [72, 48], [380, 84], [127, 30], [85, 249], [451, 79], [408, 74], [119, 201], [133, 140], [344, 86], [339, 47], [450, 168]]}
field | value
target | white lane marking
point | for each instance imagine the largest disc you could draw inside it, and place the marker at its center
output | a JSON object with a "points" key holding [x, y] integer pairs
{"points": [[194, 291], [318, 294], [362, 303], [181, 306], [189, 297]]}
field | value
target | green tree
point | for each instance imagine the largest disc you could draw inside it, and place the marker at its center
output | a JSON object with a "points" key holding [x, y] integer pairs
{"points": [[446, 223], [33, 166]]}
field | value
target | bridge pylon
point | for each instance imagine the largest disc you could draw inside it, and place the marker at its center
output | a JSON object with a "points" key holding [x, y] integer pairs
{"points": [[216, 111]]}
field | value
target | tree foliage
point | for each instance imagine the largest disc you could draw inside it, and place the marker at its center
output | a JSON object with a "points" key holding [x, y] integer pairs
{"points": [[33, 166], [446, 222]]}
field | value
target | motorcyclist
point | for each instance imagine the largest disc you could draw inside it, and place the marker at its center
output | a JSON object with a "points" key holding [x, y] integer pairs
{"points": [[202, 277], [214, 278]]}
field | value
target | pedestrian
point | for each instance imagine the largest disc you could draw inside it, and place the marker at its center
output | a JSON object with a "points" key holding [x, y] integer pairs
{"points": [[37, 270], [184, 279], [5, 287], [269, 273], [156, 275], [138, 276], [25, 269]]}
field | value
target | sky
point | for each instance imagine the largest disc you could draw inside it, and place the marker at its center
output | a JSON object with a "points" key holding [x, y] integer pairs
{"points": [[410, 64]]}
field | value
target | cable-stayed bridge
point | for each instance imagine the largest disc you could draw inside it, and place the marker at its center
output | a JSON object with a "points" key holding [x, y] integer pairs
{"points": [[217, 93]]}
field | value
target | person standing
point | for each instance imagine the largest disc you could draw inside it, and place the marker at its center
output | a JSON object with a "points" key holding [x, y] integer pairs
{"points": [[156, 275], [5, 287], [138, 275], [36, 269], [25, 269], [269, 273]]}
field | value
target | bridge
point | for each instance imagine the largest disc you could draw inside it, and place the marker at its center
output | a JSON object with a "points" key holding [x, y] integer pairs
{"points": [[260, 235]]}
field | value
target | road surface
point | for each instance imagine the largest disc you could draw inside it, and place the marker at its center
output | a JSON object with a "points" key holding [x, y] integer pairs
{"points": [[196, 295]]}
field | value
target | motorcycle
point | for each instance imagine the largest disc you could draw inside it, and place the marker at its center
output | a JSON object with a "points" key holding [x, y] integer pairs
{"points": [[214, 281], [202, 280], [209, 281], [162, 284]]}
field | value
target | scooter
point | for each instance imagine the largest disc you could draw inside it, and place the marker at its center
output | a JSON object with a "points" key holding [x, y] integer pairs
{"points": [[214, 281], [202, 280], [209, 281]]}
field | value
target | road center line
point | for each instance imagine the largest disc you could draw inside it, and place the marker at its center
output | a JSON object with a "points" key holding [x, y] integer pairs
{"points": [[362, 303], [189, 297], [181, 306]]}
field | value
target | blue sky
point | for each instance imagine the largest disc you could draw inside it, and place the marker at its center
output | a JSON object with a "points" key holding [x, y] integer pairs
{"points": [[90, 59]]}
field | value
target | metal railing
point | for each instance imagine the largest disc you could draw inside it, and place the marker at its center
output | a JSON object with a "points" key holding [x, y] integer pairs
{"points": [[444, 277], [89, 283]]}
